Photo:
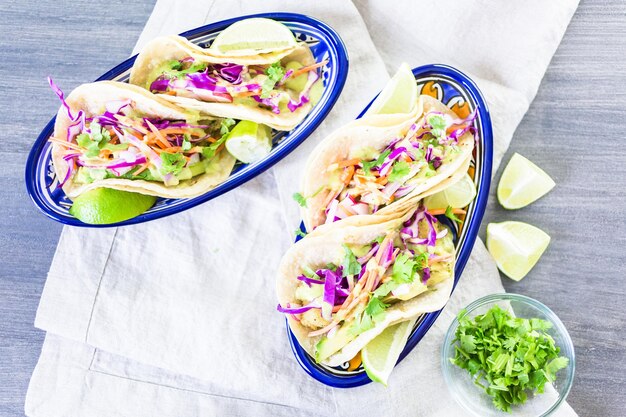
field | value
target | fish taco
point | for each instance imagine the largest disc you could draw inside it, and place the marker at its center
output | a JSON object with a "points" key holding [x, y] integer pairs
{"points": [[119, 136], [342, 288], [276, 86], [385, 164]]}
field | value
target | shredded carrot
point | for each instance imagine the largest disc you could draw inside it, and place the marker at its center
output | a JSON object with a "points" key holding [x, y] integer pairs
{"points": [[347, 174], [158, 134], [104, 153], [179, 130], [309, 68], [348, 162], [381, 180], [142, 169], [173, 149], [436, 212]]}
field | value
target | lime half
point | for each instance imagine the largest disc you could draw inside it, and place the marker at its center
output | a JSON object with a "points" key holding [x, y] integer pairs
{"points": [[106, 205], [249, 141], [458, 195], [522, 183], [254, 34], [516, 247], [381, 354], [398, 96]]}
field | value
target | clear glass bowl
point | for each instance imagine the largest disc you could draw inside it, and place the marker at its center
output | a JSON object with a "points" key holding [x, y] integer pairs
{"points": [[473, 398]]}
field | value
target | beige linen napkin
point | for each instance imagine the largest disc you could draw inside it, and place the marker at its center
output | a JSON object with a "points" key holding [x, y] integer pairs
{"points": [[177, 316]]}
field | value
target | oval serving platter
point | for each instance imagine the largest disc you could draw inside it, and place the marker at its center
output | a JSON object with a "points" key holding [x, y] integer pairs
{"points": [[459, 93], [325, 43]]}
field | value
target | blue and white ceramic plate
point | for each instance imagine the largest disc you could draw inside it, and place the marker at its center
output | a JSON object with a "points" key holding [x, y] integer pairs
{"points": [[325, 43], [460, 94]]}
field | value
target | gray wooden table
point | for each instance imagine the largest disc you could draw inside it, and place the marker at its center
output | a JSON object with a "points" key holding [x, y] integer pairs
{"points": [[574, 129]]}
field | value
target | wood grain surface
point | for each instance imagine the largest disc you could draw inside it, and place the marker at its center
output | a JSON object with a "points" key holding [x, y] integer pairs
{"points": [[574, 130]]}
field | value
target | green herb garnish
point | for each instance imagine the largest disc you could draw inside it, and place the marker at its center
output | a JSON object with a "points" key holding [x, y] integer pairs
{"points": [[508, 357], [275, 73], [400, 170], [367, 166], [449, 214], [300, 199]]}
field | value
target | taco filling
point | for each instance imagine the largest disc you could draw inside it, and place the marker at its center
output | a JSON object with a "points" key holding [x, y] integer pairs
{"points": [[374, 179], [123, 142], [272, 87], [337, 302]]}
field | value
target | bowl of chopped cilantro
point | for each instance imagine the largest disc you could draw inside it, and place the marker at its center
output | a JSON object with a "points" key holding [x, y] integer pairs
{"points": [[508, 355]]}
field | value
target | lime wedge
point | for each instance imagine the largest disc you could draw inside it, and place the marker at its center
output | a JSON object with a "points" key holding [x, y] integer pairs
{"points": [[398, 96], [522, 183], [458, 195], [254, 34], [381, 354], [516, 247], [106, 205], [249, 141]]}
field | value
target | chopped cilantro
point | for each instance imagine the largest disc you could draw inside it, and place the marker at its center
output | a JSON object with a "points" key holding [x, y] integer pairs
{"points": [[375, 308], [508, 357], [439, 125], [404, 269], [350, 265], [300, 199], [400, 170], [449, 214], [367, 166], [275, 73], [174, 69], [172, 163]]}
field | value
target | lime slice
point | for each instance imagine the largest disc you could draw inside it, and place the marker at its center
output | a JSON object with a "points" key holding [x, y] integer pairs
{"points": [[458, 195], [254, 34], [522, 183], [516, 247], [398, 96], [249, 141], [106, 205], [381, 354]]}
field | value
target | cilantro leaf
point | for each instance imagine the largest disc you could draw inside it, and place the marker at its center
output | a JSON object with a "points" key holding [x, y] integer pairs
{"points": [[375, 307], [367, 166], [350, 264], [172, 163], [399, 170], [275, 73], [404, 269], [300, 199], [449, 214]]}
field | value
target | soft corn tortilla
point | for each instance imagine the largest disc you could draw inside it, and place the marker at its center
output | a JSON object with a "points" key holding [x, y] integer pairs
{"points": [[169, 48], [376, 132], [322, 248], [91, 98]]}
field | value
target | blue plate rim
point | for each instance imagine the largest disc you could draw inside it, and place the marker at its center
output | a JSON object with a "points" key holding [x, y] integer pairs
{"points": [[332, 39], [472, 230]]}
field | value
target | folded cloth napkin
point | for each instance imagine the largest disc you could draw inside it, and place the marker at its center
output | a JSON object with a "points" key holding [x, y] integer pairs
{"points": [[177, 316]]}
